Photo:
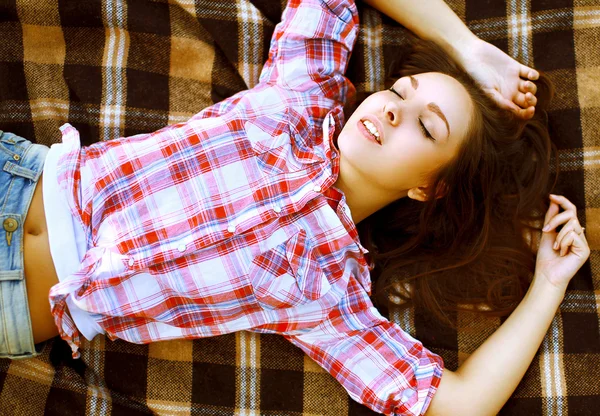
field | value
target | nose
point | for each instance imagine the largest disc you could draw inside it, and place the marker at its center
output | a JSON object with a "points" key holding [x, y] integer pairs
{"points": [[393, 113]]}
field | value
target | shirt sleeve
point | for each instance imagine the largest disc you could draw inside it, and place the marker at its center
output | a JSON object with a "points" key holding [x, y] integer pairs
{"points": [[311, 46], [378, 364]]}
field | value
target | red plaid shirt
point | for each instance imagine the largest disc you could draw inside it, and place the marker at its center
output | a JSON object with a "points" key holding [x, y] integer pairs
{"points": [[230, 222]]}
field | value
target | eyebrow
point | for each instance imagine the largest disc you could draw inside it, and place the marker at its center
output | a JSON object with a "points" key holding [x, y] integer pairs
{"points": [[433, 107]]}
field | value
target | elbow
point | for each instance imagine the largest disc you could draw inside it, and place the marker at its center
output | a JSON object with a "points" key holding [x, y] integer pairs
{"points": [[454, 397]]}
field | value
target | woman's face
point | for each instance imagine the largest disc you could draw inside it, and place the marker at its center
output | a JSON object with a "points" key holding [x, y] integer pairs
{"points": [[420, 126]]}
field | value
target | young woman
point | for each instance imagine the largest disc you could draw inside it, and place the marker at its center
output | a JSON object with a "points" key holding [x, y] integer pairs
{"points": [[244, 217]]}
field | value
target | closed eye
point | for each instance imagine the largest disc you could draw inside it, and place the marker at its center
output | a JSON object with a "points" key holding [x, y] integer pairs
{"points": [[396, 92], [423, 129]]}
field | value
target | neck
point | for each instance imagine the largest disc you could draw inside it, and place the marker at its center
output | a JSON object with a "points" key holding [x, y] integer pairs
{"points": [[362, 198]]}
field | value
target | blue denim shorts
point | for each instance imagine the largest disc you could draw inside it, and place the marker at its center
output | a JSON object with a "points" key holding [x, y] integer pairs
{"points": [[22, 163]]}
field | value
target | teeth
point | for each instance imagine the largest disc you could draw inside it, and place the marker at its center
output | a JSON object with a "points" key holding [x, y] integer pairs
{"points": [[371, 127]]}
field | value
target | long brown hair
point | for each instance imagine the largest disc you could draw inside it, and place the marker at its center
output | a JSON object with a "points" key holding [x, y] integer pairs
{"points": [[467, 250]]}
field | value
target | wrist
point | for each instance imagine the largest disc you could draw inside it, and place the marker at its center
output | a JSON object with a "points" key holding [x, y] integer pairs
{"points": [[543, 286], [461, 47]]}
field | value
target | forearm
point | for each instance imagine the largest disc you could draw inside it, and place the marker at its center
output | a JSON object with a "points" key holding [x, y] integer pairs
{"points": [[491, 374], [428, 19]]}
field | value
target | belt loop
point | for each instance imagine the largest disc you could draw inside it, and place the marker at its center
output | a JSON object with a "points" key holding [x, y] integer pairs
{"points": [[6, 275], [15, 169]]}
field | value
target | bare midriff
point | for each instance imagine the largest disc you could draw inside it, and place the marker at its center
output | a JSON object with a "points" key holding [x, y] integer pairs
{"points": [[40, 273]]}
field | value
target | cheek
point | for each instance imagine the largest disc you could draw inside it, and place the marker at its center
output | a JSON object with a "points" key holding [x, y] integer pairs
{"points": [[415, 156]]}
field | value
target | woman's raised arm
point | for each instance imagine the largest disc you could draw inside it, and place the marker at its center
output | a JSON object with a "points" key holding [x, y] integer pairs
{"points": [[486, 380], [503, 78]]}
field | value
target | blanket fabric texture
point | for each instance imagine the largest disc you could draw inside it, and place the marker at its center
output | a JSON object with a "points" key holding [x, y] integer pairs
{"points": [[116, 68]]}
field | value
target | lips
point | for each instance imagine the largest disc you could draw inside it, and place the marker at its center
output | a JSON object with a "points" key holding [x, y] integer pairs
{"points": [[365, 132]]}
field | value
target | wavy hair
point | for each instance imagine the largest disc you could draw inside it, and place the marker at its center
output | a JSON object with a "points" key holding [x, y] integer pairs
{"points": [[472, 248]]}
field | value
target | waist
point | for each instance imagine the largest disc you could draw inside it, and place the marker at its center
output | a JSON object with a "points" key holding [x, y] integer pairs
{"points": [[21, 164]]}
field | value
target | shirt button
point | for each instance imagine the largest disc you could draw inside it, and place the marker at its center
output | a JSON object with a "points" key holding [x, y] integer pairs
{"points": [[333, 155], [131, 262], [231, 229], [277, 209], [317, 188], [181, 248]]}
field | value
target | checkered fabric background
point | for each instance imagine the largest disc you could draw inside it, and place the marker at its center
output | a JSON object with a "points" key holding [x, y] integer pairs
{"points": [[122, 67]]}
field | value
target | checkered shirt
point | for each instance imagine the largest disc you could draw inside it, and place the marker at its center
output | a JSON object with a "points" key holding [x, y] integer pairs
{"points": [[230, 222]]}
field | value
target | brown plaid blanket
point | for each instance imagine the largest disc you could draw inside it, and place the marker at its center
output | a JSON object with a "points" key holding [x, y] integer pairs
{"points": [[120, 67]]}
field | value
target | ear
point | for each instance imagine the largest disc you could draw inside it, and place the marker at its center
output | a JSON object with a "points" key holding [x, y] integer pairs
{"points": [[418, 194], [422, 193]]}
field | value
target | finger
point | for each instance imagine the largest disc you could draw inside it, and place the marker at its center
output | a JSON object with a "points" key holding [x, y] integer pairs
{"points": [[527, 86], [567, 242], [525, 100], [521, 100], [557, 220], [502, 102], [582, 235], [506, 104], [524, 113], [553, 209], [529, 112], [529, 73], [572, 225], [563, 202], [577, 244]]}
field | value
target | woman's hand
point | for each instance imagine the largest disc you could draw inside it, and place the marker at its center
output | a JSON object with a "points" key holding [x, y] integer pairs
{"points": [[561, 254], [505, 80]]}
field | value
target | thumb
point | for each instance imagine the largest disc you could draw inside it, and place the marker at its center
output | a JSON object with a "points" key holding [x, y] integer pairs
{"points": [[552, 211], [547, 240]]}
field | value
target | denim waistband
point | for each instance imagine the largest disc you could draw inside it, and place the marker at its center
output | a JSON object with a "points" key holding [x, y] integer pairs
{"points": [[21, 164]]}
